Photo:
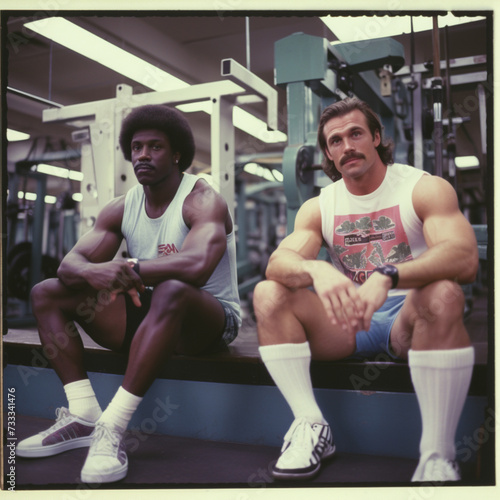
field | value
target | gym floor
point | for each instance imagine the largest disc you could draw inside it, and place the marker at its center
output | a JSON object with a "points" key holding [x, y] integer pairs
{"points": [[161, 461]]}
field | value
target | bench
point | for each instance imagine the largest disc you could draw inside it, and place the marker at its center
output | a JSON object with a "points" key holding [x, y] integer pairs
{"points": [[229, 396]]}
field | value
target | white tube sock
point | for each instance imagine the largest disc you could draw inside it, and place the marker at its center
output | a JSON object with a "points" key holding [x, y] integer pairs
{"points": [[120, 409], [82, 400], [441, 379], [289, 365]]}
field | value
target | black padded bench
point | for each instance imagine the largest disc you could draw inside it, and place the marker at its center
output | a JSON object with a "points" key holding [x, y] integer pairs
{"points": [[241, 364]]}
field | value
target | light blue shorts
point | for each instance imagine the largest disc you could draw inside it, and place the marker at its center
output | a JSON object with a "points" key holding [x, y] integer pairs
{"points": [[377, 339]]}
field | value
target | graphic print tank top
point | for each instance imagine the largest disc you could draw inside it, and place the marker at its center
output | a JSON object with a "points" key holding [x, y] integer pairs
{"points": [[363, 232]]}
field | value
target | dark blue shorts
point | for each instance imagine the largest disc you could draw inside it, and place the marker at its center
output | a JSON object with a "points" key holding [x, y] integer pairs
{"points": [[135, 316], [377, 339]]}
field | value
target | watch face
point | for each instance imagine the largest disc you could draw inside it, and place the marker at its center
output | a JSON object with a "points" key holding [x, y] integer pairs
{"points": [[390, 270]]}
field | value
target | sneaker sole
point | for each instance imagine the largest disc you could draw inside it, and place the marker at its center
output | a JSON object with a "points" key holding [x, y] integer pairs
{"points": [[91, 477], [54, 449], [282, 474], [302, 473]]}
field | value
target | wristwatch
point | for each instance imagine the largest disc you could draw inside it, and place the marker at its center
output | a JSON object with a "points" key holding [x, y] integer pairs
{"points": [[134, 264], [389, 270]]}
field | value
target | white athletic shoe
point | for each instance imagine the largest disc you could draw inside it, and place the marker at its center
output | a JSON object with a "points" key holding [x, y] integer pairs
{"points": [[107, 460], [69, 432], [437, 470], [305, 445]]}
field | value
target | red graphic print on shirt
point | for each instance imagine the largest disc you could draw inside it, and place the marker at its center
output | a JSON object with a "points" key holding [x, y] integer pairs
{"points": [[364, 241], [166, 249]]}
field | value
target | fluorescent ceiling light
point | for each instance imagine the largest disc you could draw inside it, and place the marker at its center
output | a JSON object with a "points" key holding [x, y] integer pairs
{"points": [[15, 135], [89, 45], [49, 199], [278, 175], [58, 172], [354, 29], [255, 169], [466, 162], [253, 126]]}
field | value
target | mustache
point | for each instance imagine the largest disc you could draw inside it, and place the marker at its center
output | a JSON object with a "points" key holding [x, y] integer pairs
{"points": [[143, 164], [359, 156]]}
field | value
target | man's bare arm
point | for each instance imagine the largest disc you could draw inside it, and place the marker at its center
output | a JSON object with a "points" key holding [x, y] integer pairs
{"points": [[294, 264], [206, 213], [90, 263], [290, 263], [452, 252]]}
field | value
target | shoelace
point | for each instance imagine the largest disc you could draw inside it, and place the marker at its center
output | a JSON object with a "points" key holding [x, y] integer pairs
{"points": [[105, 442], [62, 417], [301, 435]]}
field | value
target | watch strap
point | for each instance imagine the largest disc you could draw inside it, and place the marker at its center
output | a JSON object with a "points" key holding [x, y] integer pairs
{"points": [[134, 264]]}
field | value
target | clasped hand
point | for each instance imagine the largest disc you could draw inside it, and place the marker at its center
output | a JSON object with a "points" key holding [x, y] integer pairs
{"points": [[349, 307], [117, 277]]}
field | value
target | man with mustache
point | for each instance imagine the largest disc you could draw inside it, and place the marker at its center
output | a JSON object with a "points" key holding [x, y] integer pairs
{"points": [[178, 293], [400, 248]]}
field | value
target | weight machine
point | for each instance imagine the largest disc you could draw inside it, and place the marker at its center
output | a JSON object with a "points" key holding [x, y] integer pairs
{"points": [[107, 173], [35, 242], [374, 71], [404, 99], [327, 73]]}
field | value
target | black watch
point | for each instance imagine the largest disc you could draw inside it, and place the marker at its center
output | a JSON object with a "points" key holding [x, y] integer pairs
{"points": [[389, 270]]}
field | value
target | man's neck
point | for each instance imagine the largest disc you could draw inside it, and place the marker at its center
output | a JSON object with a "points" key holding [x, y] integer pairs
{"points": [[159, 196], [367, 183]]}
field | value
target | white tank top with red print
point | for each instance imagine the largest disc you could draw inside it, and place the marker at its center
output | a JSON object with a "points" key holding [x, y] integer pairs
{"points": [[363, 232], [149, 238]]}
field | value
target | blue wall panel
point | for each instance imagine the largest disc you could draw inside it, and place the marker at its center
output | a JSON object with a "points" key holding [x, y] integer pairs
{"points": [[386, 424]]}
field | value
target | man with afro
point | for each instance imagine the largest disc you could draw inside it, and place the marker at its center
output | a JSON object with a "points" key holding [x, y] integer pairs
{"points": [[176, 293]]}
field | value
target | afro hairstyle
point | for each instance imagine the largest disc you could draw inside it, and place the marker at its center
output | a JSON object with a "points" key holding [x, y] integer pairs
{"points": [[159, 117]]}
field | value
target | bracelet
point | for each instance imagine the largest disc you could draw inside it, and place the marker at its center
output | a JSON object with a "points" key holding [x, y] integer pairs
{"points": [[134, 264]]}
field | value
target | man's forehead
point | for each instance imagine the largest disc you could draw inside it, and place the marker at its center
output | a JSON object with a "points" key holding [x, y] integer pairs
{"points": [[149, 135], [353, 119]]}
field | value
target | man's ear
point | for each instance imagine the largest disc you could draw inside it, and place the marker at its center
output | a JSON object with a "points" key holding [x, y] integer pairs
{"points": [[327, 153]]}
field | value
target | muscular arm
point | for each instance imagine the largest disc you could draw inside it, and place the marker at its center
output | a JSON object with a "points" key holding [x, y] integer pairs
{"points": [[90, 260], [294, 265], [207, 216], [290, 263], [452, 252]]}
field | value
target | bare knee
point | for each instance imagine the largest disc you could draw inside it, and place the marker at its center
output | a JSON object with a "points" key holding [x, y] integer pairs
{"points": [[270, 297], [442, 301], [170, 297], [44, 294], [438, 319]]}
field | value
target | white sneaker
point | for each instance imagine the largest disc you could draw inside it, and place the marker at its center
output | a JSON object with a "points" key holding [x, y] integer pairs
{"points": [[68, 432], [437, 470], [107, 460], [305, 445]]}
